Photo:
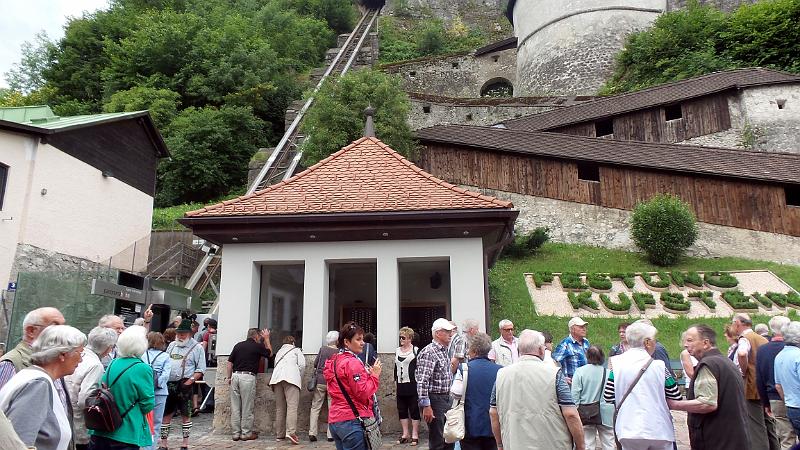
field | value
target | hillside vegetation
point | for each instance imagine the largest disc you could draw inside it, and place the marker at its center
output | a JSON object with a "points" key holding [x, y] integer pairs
{"points": [[217, 76], [701, 39]]}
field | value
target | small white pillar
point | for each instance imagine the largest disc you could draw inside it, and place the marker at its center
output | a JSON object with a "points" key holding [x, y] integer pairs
{"points": [[315, 305], [240, 289], [467, 285], [388, 304]]}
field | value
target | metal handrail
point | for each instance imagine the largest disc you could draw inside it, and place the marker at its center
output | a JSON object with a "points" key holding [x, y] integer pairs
{"points": [[296, 122]]}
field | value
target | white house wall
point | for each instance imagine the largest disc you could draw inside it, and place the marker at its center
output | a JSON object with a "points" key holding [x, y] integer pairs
{"points": [[81, 213], [240, 284]]}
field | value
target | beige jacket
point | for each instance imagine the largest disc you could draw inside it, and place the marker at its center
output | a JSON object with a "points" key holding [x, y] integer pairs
{"points": [[289, 366]]}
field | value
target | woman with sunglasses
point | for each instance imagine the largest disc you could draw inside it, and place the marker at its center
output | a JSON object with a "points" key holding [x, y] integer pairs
{"points": [[405, 364]]}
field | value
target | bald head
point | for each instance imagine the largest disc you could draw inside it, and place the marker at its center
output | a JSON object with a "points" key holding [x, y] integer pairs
{"points": [[39, 319]]}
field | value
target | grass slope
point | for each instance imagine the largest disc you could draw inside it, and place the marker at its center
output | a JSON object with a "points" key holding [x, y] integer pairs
{"points": [[510, 297]]}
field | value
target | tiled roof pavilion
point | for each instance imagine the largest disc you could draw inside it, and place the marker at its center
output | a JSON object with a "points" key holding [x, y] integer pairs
{"points": [[366, 191], [366, 176]]}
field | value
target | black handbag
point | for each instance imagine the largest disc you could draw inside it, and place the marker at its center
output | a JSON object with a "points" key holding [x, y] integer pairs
{"points": [[590, 412]]}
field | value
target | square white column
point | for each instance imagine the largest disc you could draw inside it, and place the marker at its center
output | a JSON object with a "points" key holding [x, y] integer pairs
{"points": [[388, 304], [315, 305], [467, 284], [239, 297]]}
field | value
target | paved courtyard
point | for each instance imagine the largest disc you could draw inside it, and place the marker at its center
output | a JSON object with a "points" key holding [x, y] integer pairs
{"points": [[203, 438]]}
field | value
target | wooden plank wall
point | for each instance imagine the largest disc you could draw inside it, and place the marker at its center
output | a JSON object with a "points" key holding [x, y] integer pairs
{"points": [[700, 117], [737, 203]]}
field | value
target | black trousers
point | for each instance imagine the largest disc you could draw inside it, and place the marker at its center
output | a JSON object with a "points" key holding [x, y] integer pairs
{"points": [[479, 443], [104, 443], [440, 403]]}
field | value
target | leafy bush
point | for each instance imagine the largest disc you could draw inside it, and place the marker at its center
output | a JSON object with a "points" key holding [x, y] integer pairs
{"points": [[599, 281], [662, 282], [540, 278], [167, 218], [677, 278], [694, 279], [571, 280], [624, 303], [778, 298], [527, 244], [642, 299], [628, 278], [763, 299], [720, 279], [582, 299], [738, 300], [674, 301], [706, 297], [337, 118], [663, 228]]}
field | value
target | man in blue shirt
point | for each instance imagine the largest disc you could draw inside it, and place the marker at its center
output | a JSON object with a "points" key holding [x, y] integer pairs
{"points": [[571, 351], [787, 373]]}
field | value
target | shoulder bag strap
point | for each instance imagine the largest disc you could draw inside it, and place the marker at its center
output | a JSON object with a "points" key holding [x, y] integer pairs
{"points": [[465, 376], [602, 386], [116, 379], [638, 377], [344, 391], [281, 358]]}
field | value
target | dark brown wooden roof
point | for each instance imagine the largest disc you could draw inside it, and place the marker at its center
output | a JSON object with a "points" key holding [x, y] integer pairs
{"points": [[664, 94], [505, 44], [710, 161]]}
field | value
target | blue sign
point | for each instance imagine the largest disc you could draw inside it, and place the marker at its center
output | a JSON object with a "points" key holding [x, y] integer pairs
{"points": [[12, 286]]}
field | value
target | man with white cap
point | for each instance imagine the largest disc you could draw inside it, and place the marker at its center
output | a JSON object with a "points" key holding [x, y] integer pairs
{"points": [[571, 351], [434, 378]]}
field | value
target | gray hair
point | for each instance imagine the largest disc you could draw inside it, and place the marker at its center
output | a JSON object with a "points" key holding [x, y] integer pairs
{"points": [[743, 318], [480, 345], [132, 342], [470, 323], [35, 317], [54, 341], [638, 332], [332, 337], [530, 341], [101, 338], [503, 323], [107, 320], [776, 324], [139, 321], [791, 333], [761, 328]]}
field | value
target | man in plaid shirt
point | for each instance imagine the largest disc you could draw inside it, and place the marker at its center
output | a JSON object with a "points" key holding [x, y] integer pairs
{"points": [[434, 378], [571, 352]]}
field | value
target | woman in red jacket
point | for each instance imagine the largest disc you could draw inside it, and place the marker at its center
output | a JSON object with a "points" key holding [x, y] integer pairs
{"points": [[345, 369]]}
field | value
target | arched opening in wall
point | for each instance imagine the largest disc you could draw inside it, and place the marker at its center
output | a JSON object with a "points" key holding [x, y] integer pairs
{"points": [[497, 87]]}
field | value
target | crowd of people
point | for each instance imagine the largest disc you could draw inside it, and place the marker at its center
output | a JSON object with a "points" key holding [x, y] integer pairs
{"points": [[59, 367], [520, 391]]}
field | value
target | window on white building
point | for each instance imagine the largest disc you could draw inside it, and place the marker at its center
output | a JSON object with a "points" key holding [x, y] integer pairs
{"points": [[281, 304], [3, 178]]}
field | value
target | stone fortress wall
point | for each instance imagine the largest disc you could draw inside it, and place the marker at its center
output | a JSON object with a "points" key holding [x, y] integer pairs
{"points": [[569, 47]]}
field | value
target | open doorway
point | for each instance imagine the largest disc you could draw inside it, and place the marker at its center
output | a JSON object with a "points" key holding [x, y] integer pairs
{"points": [[353, 294], [424, 295]]}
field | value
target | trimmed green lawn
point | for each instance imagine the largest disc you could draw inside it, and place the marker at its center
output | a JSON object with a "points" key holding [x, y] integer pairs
{"points": [[510, 298]]}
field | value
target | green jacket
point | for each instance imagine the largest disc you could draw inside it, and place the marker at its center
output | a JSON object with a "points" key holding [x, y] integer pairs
{"points": [[135, 387]]}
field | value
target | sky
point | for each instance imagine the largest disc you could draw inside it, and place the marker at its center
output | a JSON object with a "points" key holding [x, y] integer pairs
{"points": [[20, 20]]}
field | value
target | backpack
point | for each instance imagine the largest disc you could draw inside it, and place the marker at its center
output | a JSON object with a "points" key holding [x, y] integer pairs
{"points": [[101, 412], [156, 374]]}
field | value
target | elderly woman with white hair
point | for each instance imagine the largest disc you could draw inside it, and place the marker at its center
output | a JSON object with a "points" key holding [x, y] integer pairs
{"points": [[56, 353], [640, 386], [320, 388], [131, 382], [787, 373], [87, 377]]}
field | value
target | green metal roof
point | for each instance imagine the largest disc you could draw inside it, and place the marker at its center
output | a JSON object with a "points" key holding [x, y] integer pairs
{"points": [[23, 114], [59, 123]]}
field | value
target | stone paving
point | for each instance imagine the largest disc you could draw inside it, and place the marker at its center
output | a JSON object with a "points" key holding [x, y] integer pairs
{"points": [[204, 438]]}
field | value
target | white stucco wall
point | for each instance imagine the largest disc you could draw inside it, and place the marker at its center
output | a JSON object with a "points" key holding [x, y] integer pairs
{"points": [[82, 213], [774, 129], [240, 284]]}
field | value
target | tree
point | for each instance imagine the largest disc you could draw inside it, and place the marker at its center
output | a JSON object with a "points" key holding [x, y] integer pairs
{"points": [[337, 115], [663, 227], [163, 104], [210, 150], [26, 75], [765, 34]]}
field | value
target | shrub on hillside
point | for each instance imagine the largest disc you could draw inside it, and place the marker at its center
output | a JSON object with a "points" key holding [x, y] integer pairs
{"points": [[663, 228], [528, 243]]}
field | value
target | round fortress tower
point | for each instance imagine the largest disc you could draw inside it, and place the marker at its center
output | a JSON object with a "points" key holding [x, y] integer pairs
{"points": [[567, 47]]}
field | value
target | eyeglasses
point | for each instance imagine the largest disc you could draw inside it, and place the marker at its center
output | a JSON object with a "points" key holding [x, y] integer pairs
{"points": [[508, 329], [403, 338]]}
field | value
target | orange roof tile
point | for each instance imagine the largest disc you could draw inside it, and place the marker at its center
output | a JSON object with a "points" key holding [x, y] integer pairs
{"points": [[365, 176]]}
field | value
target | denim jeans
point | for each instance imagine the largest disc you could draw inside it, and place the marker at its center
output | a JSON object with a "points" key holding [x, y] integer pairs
{"points": [[794, 417], [348, 435], [158, 415]]}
